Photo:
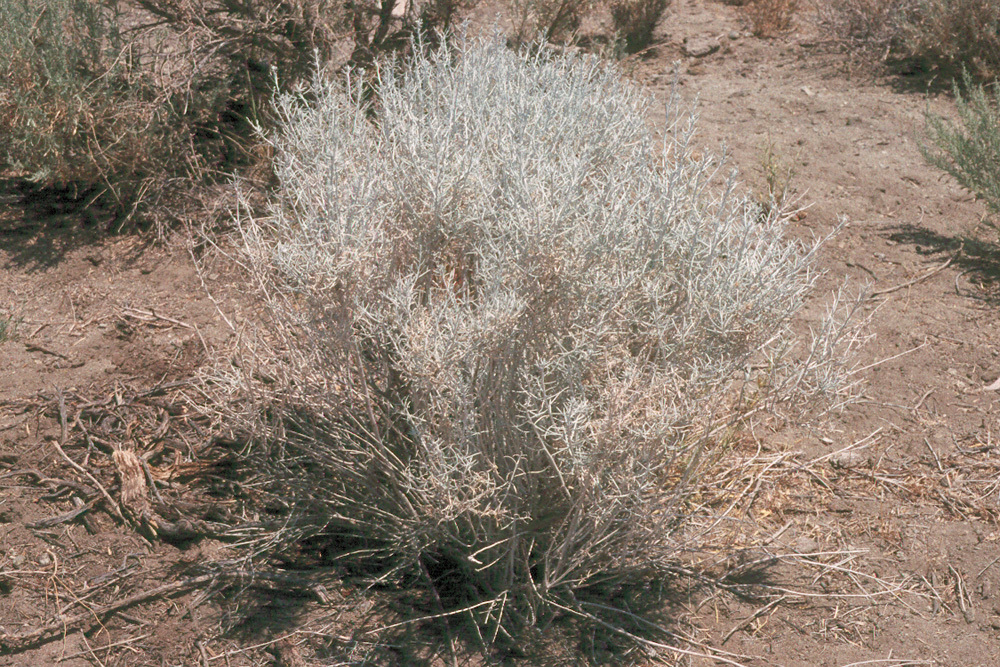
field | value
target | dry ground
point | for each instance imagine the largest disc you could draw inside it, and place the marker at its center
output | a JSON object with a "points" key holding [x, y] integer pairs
{"points": [[114, 327]]}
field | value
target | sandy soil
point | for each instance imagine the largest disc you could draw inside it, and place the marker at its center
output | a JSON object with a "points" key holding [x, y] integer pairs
{"points": [[115, 327]]}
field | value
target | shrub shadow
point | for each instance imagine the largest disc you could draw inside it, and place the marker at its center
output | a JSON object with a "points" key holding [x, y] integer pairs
{"points": [[408, 620], [920, 76], [978, 259], [40, 225]]}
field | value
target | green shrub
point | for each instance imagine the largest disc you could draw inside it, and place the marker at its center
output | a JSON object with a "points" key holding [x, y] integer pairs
{"points": [[504, 323], [970, 151]]}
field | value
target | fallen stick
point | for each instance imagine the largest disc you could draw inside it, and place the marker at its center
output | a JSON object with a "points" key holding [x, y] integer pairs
{"points": [[106, 647], [62, 518], [916, 280], [33, 347], [753, 617], [152, 315], [13, 642], [64, 434]]}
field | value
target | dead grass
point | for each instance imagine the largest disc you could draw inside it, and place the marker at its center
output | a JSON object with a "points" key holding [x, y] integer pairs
{"points": [[770, 18], [635, 20], [949, 34]]}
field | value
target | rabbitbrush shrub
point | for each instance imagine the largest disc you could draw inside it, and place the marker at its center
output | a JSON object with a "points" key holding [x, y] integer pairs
{"points": [[506, 323], [970, 152]]}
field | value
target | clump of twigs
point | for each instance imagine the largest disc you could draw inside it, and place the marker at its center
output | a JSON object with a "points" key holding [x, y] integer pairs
{"points": [[145, 460], [130, 455]]}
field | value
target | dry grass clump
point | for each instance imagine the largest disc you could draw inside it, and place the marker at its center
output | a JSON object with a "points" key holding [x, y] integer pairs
{"points": [[506, 331], [949, 33], [77, 110], [132, 103], [769, 18], [635, 20]]}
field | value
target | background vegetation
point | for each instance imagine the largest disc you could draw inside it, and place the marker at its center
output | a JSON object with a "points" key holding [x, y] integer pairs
{"points": [[952, 34], [129, 103], [970, 149]]}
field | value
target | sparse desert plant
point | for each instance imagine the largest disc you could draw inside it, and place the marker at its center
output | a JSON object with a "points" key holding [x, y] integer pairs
{"points": [[132, 102], [9, 324], [951, 33], [769, 18], [776, 175], [970, 152], [506, 328], [548, 20], [635, 20], [74, 109], [957, 34], [873, 27]]}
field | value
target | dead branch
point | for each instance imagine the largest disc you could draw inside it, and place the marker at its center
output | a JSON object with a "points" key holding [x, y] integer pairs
{"points": [[753, 617], [13, 642], [63, 435], [918, 279]]}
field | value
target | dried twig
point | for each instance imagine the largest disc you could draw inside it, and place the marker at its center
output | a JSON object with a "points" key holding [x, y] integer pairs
{"points": [[65, 517], [918, 279], [753, 617], [15, 642], [152, 315], [33, 347], [106, 647], [64, 434], [937, 460], [991, 564]]}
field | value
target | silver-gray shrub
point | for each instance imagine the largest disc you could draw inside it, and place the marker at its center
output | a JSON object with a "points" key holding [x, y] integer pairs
{"points": [[507, 321]]}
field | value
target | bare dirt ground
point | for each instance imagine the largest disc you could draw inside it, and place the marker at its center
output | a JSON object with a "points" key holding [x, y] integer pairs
{"points": [[108, 330]]}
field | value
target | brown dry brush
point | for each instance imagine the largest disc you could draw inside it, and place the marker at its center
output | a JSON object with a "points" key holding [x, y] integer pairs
{"points": [[146, 458], [136, 104], [635, 20], [949, 34], [769, 18]]}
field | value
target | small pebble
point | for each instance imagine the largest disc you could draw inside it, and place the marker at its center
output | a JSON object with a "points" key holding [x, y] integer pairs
{"points": [[849, 459], [805, 545], [45, 560]]}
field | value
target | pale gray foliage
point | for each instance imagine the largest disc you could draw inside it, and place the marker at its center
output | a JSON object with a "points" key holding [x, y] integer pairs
{"points": [[509, 317]]}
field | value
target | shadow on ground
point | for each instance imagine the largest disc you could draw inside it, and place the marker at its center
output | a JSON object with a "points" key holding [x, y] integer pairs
{"points": [[39, 226], [978, 259]]}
